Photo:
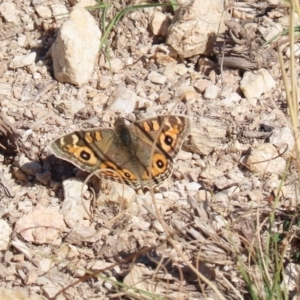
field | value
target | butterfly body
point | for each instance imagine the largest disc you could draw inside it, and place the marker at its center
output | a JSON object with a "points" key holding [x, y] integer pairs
{"points": [[141, 153]]}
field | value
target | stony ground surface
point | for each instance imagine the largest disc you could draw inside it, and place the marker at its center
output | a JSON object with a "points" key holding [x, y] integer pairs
{"points": [[58, 244]]}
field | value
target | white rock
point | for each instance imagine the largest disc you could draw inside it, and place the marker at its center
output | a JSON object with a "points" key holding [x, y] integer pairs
{"points": [[157, 78], [218, 221], [74, 209], [22, 61], [120, 193], [231, 99], [71, 105], [44, 266], [233, 190], [183, 155], [220, 197], [211, 173], [212, 92], [115, 65], [281, 136], [203, 195], [193, 29], [222, 182], [60, 11], [8, 294], [270, 29], [158, 227], [172, 195], [5, 232], [255, 83], [9, 12], [160, 23], [42, 225], [83, 3], [296, 52], [202, 84], [124, 100], [76, 48], [88, 234], [193, 186], [290, 279], [139, 224], [44, 11], [22, 40], [262, 159], [5, 89]]}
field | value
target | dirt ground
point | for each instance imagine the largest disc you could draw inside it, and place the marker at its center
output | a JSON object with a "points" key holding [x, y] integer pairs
{"points": [[59, 245]]}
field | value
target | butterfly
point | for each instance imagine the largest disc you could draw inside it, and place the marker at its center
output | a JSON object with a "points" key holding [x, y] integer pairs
{"points": [[140, 154]]}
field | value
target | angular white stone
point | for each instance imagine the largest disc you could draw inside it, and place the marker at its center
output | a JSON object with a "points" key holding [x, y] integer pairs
{"points": [[44, 11], [9, 12], [254, 84], [76, 48], [157, 78], [195, 26], [264, 159], [5, 232], [281, 136], [160, 23], [212, 92], [22, 61]]}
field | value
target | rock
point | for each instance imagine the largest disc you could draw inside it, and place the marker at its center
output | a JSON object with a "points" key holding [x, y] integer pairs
{"points": [[9, 12], [231, 100], [22, 40], [269, 29], [211, 173], [5, 232], [80, 234], [7, 294], [43, 11], [203, 195], [5, 89], [22, 61], [83, 3], [124, 100], [296, 51], [76, 48], [290, 282], [121, 193], [160, 23], [264, 159], [281, 136], [70, 106], [75, 209], [202, 85], [212, 92], [157, 78], [115, 65], [44, 266], [29, 167], [193, 186], [256, 83], [158, 227], [193, 30], [60, 11], [42, 225], [138, 224], [172, 195]]}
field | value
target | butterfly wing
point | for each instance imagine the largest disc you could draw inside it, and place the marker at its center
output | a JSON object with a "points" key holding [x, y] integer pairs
{"points": [[156, 141], [99, 149]]}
